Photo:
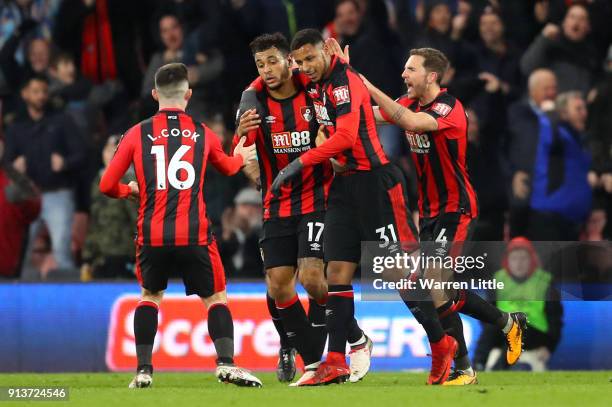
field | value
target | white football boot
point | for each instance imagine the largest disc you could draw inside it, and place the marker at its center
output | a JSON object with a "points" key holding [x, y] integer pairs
{"points": [[236, 375], [143, 379], [360, 358]]}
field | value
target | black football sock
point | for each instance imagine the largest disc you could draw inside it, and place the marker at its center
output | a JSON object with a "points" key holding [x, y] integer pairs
{"points": [[451, 322], [145, 328], [221, 331], [339, 316], [425, 314], [316, 316], [278, 323], [477, 307], [298, 329], [422, 308]]}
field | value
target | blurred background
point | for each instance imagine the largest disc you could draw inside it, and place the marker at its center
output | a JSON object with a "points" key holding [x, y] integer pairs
{"points": [[535, 77]]}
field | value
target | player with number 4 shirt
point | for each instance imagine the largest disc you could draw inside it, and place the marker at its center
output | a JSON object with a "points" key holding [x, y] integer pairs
{"points": [[436, 130]]}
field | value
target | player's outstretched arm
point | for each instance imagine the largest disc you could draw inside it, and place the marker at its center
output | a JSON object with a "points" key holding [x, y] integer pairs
{"points": [[400, 115], [229, 165]]}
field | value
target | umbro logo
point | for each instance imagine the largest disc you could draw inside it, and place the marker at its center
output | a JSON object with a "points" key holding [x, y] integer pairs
{"points": [[315, 247], [270, 119], [328, 312], [290, 334]]}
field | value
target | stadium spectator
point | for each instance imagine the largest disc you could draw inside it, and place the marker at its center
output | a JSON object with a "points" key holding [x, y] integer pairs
{"points": [[79, 97], [600, 139], [485, 173], [239, 244], [13, 32], [346, 22], [287, 17], [105, 36], [561, 196], [109, 247], [204, 68], [525, 120], [45, 145], [19, 206], [566, 50], [529, 288], [364, 37], [38, 53], [443, 32]]}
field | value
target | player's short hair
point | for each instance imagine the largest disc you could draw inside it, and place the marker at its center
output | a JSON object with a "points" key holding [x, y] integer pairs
{"points": [[305, 37], [171, 80], [433, 61], [267, 41]]}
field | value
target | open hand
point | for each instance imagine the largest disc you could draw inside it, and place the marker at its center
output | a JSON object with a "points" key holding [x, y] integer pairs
{"points": [[248, 153]]}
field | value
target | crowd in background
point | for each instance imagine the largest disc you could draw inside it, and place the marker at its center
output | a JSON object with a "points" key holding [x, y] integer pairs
{"points": [[535, 77]]}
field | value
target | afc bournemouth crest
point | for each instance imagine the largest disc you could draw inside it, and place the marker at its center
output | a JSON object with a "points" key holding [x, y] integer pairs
{"points": [[307, 113]]}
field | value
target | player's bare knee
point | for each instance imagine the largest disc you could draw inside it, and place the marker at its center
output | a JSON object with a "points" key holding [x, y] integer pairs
{"points": [[152, 296], [340, 272], [281, 283], [312, 277], [217, 298], [281, 292]]}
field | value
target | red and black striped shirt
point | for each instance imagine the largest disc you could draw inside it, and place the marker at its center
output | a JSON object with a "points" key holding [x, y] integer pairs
{"points": [[439, 157], [169, 152], [288, 130], [342, 103]]}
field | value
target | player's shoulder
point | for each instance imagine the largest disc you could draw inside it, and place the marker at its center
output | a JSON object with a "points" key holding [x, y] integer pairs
{"points": [[340, 71], [445, 103]]}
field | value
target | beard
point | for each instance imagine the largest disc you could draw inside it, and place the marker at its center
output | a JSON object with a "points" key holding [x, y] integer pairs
{"points": [[282, 80]]}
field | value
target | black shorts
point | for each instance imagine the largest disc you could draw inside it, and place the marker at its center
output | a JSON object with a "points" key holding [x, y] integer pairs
{"points": [[446, 234], [285, 240], [368, 206], [199, 266]]}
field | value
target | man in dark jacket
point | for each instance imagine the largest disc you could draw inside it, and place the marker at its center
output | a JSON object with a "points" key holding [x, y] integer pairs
{"points": [[525, 119], [46, 146], [566, 51]]}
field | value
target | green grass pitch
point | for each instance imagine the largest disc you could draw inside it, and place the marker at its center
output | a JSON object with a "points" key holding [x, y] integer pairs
{"points": [[517, 389]]}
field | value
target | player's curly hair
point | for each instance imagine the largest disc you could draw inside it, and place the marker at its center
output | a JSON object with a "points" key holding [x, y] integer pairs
{"points": [[267, 41], [434, 61]]}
